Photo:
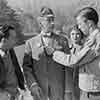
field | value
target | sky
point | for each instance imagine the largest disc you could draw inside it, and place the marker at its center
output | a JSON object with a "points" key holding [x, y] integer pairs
{"points": [[31, 5], [61, 8], [35, 5]]}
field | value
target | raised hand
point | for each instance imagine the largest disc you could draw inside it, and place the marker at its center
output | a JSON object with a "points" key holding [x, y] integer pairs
{"points": [[36, 92]]}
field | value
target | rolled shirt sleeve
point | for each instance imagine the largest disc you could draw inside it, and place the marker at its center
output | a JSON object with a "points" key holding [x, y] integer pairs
{"points": [[68, 59]]}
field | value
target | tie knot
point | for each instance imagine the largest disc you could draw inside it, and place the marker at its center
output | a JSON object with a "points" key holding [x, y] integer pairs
{"points": [[47, 34]]}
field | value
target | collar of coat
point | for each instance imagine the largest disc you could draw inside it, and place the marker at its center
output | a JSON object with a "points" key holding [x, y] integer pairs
{"points": [[49, 34]]}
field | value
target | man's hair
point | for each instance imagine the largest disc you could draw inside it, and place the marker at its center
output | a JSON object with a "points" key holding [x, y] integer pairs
{"points": [[4, 30], [89, 13]]}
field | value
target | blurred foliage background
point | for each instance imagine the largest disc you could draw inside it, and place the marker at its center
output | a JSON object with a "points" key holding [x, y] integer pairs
{"points": [[23, 14]]}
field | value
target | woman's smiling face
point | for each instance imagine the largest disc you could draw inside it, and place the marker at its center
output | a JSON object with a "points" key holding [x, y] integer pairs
{"points": [[75, 36]]}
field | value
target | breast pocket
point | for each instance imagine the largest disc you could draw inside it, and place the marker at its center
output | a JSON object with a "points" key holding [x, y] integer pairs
{"points": [[37, 52]]}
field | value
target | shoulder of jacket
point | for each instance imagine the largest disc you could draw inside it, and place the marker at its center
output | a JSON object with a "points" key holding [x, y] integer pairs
{"points": [[98, 32], [98, 36], [33, 39]]}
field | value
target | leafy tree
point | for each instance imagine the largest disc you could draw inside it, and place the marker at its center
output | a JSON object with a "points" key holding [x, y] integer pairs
{"points": [[30, 23], [9, 16]]}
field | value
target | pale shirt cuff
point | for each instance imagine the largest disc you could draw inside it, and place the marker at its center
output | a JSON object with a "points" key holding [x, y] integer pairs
{"points": [[33, 84]]}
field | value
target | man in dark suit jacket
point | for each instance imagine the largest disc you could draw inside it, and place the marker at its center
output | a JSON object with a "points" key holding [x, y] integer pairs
{"points": [[11, 76], [45, 78]]}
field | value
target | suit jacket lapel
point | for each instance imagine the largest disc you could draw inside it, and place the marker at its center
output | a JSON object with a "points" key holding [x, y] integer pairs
{"points": [[37, 48], [18, 71], [2, 71]]}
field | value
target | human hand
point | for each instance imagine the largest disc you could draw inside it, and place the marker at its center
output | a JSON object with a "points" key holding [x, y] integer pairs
{"points": [[90, 42], [36, 92]]}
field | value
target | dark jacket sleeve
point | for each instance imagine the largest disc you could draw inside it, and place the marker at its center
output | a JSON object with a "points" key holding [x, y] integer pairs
{"points": [[18, 70], [2, 72], [89, 57], [93, 53], [28, 65]]}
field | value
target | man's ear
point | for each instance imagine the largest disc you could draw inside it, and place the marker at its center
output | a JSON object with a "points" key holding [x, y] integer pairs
{"points": [[4, 40], [90, 23]]}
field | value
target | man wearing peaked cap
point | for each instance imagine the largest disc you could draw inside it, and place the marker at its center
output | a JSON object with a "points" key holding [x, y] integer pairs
{"points": [[45, 78]]}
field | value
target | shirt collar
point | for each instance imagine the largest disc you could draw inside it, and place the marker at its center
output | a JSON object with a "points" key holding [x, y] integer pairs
{"points": [[46, 34]]}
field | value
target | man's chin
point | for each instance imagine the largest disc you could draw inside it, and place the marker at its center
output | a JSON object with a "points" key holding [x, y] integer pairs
{"points": [[85, 33]]}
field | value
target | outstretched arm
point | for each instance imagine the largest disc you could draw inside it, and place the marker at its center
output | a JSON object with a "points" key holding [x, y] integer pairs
{"points": [[68, 59]]}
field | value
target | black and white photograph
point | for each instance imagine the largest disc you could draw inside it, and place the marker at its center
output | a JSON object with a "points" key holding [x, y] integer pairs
{"points": [[49, 50]]}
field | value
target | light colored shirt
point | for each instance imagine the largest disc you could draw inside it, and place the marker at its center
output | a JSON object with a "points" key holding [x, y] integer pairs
{"points": [[69, 59]]}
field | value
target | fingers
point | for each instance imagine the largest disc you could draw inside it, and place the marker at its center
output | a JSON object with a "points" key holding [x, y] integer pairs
{"points": [[40, 93], [36, 95], [89, 43]]}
